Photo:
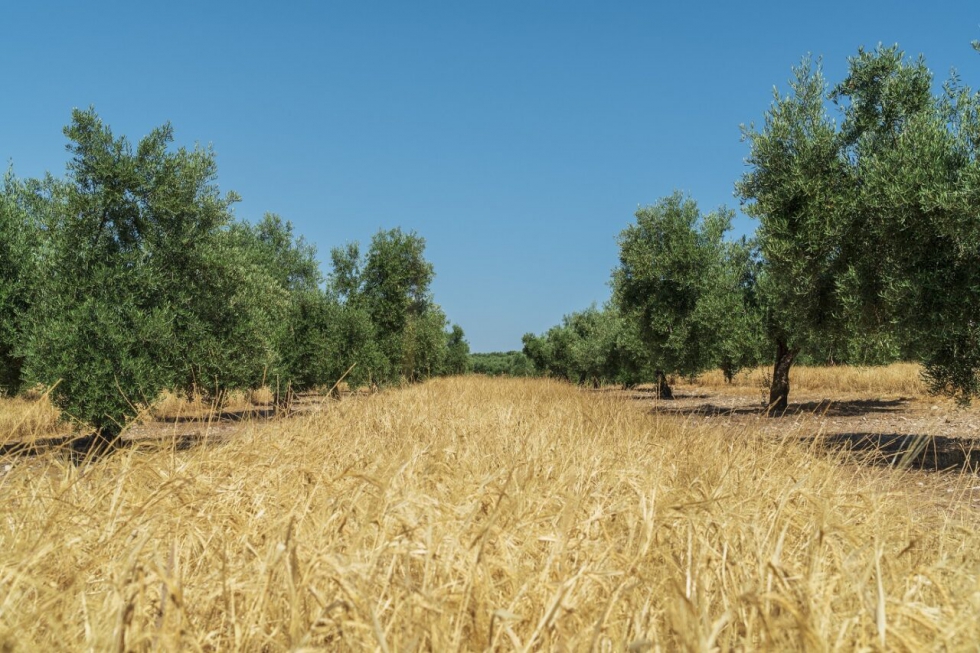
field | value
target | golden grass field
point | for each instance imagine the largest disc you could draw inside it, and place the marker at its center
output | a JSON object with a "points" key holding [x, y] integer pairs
{"points": [[485, 514]]}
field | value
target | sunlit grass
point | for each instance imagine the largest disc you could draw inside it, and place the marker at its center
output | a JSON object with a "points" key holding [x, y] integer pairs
{"points": [[476, 514], [897, 379], [170, 405], [29, 417]]}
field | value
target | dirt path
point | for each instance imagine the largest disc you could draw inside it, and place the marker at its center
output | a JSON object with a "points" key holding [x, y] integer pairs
{"points": [[925, 433]]}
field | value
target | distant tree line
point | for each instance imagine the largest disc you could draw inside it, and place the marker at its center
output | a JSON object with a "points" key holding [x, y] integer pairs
{"points": [[501, 363], [130, 275], [867, 249]]}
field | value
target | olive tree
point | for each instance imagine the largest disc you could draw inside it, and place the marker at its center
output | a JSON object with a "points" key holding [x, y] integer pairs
{"points": [[679, 282], [868, 225], [457, 352], [917, 167], [742, 340], [391, 286], [139, 286], [370, 365], [551, 352], [302, 336], [594, 334], [500, 363], [631, 359]]}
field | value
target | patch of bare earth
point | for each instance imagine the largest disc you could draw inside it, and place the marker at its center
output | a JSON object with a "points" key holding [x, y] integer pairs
{"points": [[912, 431]]}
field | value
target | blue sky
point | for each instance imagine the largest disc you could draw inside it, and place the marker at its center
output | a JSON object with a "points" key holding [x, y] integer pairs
{"points": [[518, 138]]}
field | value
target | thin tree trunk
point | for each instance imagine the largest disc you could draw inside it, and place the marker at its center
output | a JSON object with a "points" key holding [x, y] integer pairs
{"points": [[779, 390], [284, 402], [663, 388]]}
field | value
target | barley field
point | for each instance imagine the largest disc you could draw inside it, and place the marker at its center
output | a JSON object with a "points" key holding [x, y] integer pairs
{"points": [[480, 514]]}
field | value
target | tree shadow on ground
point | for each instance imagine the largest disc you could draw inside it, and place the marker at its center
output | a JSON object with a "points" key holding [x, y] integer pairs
{"points": [[81, 446], [90, 447], [848, 408], [651, 393], [38, 446], [223, 416], [87, 447], [927, 452]]}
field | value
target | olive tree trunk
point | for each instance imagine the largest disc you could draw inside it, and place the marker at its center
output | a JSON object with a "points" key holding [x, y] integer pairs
{"points": [[663, 388], [779, 390]]}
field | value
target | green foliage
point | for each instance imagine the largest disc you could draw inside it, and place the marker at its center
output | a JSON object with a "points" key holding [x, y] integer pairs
{"points": [[742, 339], [18, 238], [357, 353], [502, 363], [457, 352], [684, 300], [328, 342], [309, 353], [359, 344], [227, 320], [869, 229], [591, 347], [917, 157], [395, 281], [288, 259], [139, 286], [630, 358], [550, 353], [391, 285], [302, 335], [689, 293], [819, 283], [131, 276], [591, 337], [423, 345]]}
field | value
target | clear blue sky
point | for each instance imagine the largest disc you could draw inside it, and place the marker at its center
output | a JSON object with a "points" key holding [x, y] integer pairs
{"points": [[518, 138]]}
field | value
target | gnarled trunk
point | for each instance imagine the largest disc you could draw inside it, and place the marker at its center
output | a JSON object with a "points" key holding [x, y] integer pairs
{"points": [[663, 388], [728, 370], [779, 390]]}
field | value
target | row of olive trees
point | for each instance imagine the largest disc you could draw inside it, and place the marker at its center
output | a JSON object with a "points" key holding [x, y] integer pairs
{"points": [[683, 301], [867, 248], [130, 276]]}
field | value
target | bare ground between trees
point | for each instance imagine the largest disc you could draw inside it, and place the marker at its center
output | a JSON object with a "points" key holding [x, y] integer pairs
{"points": [[185, 430], [917, 432]]}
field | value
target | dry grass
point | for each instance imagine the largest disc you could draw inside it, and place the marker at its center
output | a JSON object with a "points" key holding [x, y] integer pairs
{"points": [[28, 418], [170, 405], [903, 379], [31, 416], [482, 514]]}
